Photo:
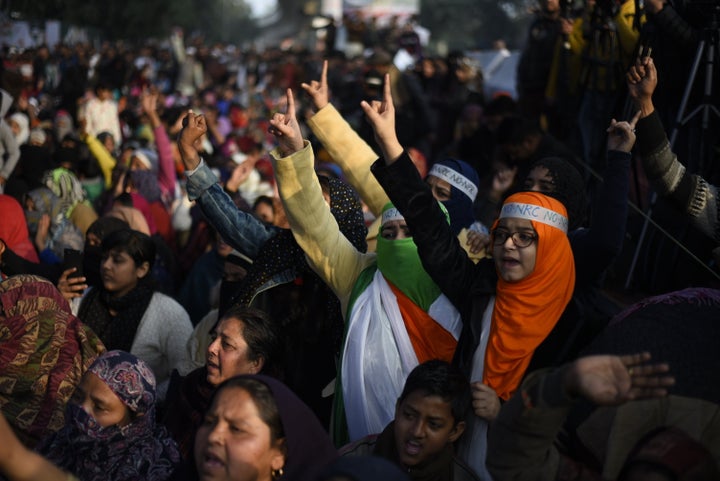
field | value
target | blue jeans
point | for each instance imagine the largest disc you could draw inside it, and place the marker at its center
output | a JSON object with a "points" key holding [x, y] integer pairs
{"points": [[241, 230]]}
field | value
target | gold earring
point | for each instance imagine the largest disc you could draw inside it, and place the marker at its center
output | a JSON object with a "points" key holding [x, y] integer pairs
{"points": [[276, 473]]}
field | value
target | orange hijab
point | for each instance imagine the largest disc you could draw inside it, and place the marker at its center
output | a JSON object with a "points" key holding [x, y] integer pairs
{"points": [[526, 311]]}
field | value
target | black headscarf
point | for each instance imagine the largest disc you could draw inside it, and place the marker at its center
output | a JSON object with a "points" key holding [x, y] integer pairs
{"points": [[569, 188], [282, 253], [460, 203], [308, 448]]}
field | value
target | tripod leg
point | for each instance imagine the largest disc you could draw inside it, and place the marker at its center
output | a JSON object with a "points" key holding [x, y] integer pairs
{"points": [[705, 109], [705, 150], [686, 95]]}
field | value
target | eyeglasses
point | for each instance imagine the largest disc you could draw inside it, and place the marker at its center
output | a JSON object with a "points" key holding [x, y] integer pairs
{"points": [[520, 239]]}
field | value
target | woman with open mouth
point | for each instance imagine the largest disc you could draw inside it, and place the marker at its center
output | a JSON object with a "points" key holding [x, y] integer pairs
{"points": [[256, 429]]}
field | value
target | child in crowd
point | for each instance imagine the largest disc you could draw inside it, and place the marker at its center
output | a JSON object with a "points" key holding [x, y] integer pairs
{"points": [[429, 417]]}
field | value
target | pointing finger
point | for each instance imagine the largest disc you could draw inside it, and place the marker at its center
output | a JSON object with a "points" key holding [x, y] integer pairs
{"points": [[323, 75], [291, 106]]}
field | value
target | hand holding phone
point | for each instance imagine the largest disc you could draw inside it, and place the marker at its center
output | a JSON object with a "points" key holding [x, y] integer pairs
{"points": [[73, 258]]}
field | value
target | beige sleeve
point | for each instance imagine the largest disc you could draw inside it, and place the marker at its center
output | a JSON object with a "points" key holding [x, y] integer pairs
{"points": [[351, 153], [328, 251]]}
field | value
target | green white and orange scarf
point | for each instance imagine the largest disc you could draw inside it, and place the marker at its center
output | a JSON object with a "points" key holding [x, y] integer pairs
{"points": [[397, 319]]}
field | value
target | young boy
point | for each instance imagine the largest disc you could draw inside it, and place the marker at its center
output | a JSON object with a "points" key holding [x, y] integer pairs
{"points": [[429, 418], [101, 113]]}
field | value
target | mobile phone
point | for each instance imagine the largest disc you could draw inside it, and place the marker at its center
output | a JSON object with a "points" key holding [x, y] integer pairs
{"points": [[73, 258]]}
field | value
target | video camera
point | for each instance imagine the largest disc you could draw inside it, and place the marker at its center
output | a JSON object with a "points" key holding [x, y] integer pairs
{"points": [[607, 9]]}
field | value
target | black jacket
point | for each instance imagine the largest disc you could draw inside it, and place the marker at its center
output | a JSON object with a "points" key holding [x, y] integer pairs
{"points": [[467, 285]]}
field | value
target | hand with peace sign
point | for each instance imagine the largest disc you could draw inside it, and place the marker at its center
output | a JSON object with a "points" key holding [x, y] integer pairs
{"points": [[286, 129], [319, 91], [621, 135], [381, 116]]}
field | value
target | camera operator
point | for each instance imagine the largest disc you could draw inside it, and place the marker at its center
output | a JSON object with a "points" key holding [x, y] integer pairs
{"points": [[670, 17], [604, 39], [537, 58], [685, 39]]}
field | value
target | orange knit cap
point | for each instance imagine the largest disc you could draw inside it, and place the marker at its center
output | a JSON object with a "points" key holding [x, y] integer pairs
{"points": [[526, 311]]}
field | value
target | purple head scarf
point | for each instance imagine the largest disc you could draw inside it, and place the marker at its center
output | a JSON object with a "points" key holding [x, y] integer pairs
{"points": [[129, 378], [139, 450]]}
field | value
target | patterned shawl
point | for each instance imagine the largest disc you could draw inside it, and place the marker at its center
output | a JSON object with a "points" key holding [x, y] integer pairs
{"points": [[45, 351], [141, 450], [63, 233], [282, 254], [66, 186]]}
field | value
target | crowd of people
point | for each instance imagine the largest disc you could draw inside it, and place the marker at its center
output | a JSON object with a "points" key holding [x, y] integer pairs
{"points": [[306, 265]]}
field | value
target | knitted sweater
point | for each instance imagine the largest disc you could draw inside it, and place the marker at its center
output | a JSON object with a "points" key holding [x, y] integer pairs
{"points": [[161, 338], [690, 192]]}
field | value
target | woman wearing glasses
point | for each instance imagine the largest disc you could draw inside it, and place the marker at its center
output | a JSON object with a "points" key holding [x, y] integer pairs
{"points": [[508, 304]]}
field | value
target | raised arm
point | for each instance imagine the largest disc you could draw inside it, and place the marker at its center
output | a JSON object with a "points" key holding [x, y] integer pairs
{"points": [[329, 253], [381, 115], [241, 230], [441, 254], [18, 463], [691, 192], [166, 165], [105, 159], [596, 247], [347, 149], [642, 81]]}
